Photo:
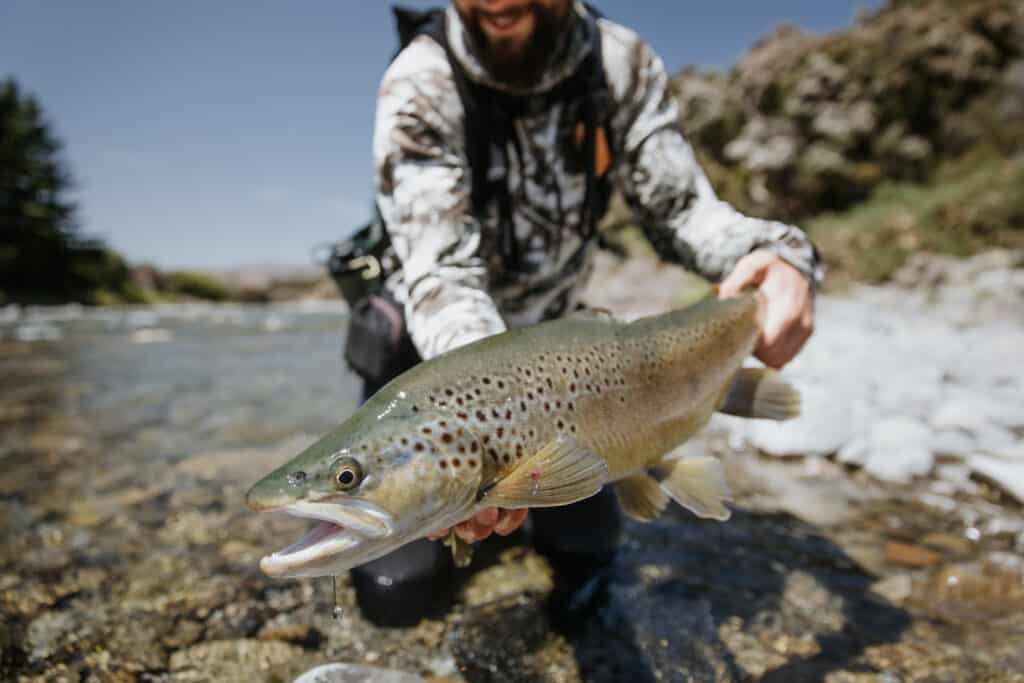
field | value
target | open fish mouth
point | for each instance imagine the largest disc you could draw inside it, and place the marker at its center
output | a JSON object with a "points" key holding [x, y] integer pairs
{"points": [[343, 528]]}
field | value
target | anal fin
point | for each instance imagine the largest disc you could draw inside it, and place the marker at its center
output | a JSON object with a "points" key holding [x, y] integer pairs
{"points": [[641, 497], [697, 483], [761, 393], [560, 473]]}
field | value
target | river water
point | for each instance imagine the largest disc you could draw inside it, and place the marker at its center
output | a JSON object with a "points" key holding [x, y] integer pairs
{"points": [[129, 437]]}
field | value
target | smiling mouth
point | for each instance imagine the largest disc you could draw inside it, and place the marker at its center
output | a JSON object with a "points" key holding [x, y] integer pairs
{"points": [[505, 20], [342, 527]]}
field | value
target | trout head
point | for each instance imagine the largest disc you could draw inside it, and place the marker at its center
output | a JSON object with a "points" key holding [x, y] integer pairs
{"points": [[392, 473]]}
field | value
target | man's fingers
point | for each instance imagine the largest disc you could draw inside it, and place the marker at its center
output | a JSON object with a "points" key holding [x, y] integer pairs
{"points": [[749, 270], [479, 527], [485, 522]]}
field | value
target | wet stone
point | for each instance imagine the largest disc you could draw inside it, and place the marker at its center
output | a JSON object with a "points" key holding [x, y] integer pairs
{"points": [[302, 635], [234, 660], [910, 555]]}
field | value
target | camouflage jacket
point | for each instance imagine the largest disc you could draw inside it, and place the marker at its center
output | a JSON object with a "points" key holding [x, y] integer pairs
{"points": [[452, 282]]}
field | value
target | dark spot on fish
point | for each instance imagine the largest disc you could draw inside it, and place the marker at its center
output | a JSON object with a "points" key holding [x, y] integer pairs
{"points": [[443, 464], [473, 447], [418, 447], [487, 439], [486, 380], [405, 441], [561, 424], [446, 437], [426, 430], [462, 415], [506, 458], [462, 448], [500, 432], [471, 463], [456, 462], [572, 387], [508, 413], [449, 392], [415, 409], [296, 478], [501, 385], [480, 416], [547, 406], [459, 400]]}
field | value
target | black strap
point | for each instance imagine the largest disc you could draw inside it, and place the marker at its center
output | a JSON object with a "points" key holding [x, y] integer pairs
{"points": [[489, 124]]}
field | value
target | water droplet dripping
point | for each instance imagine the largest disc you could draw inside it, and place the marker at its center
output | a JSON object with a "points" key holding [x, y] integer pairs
{"points": [[338, 611]]}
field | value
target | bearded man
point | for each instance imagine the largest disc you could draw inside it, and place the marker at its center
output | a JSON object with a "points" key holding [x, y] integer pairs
{"points": [[501, 128]]}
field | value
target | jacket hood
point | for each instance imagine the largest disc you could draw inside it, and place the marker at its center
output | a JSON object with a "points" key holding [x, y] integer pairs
{"points": [[570, 52]]}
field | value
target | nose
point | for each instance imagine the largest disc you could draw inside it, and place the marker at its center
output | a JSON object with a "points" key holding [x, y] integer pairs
{"points": [[266, 495]]}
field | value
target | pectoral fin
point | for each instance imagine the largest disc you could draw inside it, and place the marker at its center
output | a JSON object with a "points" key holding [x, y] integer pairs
{"points": [[562, 472], [462, 552], [761, 392], [641, 497], [696, 483]]}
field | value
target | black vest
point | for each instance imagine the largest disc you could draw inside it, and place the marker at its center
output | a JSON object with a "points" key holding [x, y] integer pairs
{"points": [[489, 117]]}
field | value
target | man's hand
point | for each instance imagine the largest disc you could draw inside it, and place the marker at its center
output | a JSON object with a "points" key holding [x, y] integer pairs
{"points": [[788, 316], [500, 521]]}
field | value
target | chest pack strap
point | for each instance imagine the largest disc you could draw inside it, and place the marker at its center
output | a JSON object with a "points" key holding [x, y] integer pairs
{"points": [[490, 119]]}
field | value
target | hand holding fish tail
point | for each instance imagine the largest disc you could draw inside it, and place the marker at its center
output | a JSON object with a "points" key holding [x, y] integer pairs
{"points": [[787, 317]]}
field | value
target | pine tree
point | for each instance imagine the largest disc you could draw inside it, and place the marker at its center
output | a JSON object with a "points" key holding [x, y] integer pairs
{"points": [[43, 256]]}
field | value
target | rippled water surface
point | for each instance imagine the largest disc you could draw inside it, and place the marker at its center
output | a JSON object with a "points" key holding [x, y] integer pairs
{"points": [[130, 435]]}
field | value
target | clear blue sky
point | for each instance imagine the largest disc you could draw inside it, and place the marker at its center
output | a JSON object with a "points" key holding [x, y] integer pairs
{"points": [[223, 133]]}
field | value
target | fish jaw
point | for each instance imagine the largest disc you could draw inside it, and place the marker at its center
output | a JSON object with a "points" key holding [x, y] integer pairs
{"points": [[345, 530], [348, 534]]}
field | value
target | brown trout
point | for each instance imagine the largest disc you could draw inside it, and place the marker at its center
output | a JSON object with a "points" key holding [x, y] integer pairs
{"points": [[535, 417]]}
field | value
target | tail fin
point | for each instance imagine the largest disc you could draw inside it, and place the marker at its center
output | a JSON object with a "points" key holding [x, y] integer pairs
{"points": [[761, 393]]}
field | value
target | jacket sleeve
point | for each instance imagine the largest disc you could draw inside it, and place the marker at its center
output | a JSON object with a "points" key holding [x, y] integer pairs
{"points": [[669, 192], [423, 189]]}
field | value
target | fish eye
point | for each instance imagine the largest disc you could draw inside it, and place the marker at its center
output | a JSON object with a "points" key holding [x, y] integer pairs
{"points": [[348, 474]]}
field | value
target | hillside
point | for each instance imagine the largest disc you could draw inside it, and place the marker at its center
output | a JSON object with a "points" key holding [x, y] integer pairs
{"points": [[903, 133]]}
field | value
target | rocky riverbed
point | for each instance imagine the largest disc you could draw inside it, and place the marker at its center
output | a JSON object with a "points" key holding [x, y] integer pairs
{"points": [[880, 538]]}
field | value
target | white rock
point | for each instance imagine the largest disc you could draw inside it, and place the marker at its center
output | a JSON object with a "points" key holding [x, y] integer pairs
{"points": [[974, 412], [957, 475], [954, 443], [899, 449], [354, 673], [1013, 452], [1007, 474], [822, 428], [151, 335], [855, 451]]}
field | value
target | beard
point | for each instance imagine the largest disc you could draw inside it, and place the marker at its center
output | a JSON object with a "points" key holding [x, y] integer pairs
{"points": [[511, 62]]}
